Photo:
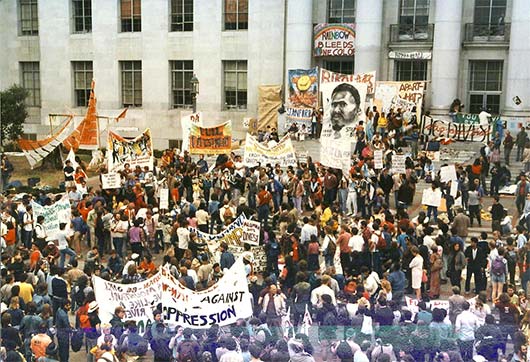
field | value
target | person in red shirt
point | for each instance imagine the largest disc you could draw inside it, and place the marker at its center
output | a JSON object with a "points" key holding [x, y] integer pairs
{"points": [[264, 198], [343, 242]]}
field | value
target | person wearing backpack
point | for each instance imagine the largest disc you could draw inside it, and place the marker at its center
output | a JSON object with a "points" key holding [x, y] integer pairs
{"points": [[498, 272], [188, 349], [327, 319], [131, 343], [160, 344]]}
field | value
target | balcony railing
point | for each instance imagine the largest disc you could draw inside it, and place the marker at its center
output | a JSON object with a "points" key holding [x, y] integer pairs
{"points": [[487, 33], [408, 32]]}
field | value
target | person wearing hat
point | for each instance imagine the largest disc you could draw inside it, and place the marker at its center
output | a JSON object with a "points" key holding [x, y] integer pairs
{"points": [[94, 331], [133, 260]]}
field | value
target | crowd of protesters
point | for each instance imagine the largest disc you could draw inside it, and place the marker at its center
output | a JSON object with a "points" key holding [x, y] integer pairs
{"points": [[344, 258]]}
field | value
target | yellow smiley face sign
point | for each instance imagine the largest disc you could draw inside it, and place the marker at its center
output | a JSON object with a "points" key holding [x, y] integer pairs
{"points": [[303, 83]]}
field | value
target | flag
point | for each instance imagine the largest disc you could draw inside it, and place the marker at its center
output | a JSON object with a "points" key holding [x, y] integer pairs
{"points": [[86, 135], [287, 325], [121, 115], [306, 322], [71, 158]]}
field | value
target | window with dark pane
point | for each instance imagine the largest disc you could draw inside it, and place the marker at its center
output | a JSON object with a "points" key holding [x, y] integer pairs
{"points": [[131, 15], [408, 70], [235, 84], [181, 74], [131, 83], [235, 14], [341, 11], [30, 80], [340, 66], [83, 75], [181, 15], [485, 85], [29, 17], [82, 13]]}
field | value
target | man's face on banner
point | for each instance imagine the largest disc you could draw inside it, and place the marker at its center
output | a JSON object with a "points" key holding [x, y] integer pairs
{"points": [[344, 110]]}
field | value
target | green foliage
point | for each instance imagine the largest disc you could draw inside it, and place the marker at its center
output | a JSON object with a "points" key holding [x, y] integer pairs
{"points": [[13, 112]]}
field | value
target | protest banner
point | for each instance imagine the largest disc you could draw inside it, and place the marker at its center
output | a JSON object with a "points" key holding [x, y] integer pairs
{"points": [[251, 232], [400, 95], [256, 254], [437, 128], [163, 195], [340, 123], [139, 300], [269, 100], [431, 197], [60, 212], [111, 180], [186, 122], [303, 88], [211, 140], [231, 235], [378, 159], [336, 153], [223, 303], [394, 54], [398, 163], [301, 116], [282, 153], [454, 189], [334, 40], [472, 118], [448, 173], [135, 152], [327, 76]]}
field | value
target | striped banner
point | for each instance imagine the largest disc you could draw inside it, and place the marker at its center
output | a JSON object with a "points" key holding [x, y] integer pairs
{"points": [[36, 151]]}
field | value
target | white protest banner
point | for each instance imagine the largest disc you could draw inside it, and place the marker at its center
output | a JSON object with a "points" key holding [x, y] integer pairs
{"points": [[163, 202], [231, 235], [223, 303], [431, 197], [139, 300], [110, 180], [186, 122], [251, 230], [136, 152], [448, 173], [336, 153], [60, 212], [282, 153], [398, 163], [378, 159]]}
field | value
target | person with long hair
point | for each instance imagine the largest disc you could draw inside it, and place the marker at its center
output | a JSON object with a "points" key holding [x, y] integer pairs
{"points": [[457, 262], [416, 267]]}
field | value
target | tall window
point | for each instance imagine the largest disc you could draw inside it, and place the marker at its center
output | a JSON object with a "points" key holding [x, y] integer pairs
{"points": [[30, 75], [341, 11], [83, 75], [489, 17], [236, 14], [340, 66], [235, 84], [411, 70], [413, 17], [181, 73], [82, 13], [485, 85], [181, 15], [131, 83], [131, 15], [29, 17]]}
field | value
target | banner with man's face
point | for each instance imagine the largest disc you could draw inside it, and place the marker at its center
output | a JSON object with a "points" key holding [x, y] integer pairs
{"points": [[343, 104]]}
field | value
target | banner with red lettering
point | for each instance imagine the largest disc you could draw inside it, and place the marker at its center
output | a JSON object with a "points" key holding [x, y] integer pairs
{"points": [[211, 140], [334, 40], [391, 96], [327, 76]]}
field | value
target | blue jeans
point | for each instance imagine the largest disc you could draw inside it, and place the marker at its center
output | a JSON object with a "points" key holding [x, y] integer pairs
{"points": [[27, 238], [263, 215], [65, 252], [118, 246], [432, 210]]}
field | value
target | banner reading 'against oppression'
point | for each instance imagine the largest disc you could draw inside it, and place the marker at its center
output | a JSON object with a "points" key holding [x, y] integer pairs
{"points": [[135, 152], [256, 153], [211, 140]]}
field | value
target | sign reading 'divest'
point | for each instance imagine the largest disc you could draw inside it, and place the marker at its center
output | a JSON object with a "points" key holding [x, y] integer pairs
{"points": [[334, 40]]}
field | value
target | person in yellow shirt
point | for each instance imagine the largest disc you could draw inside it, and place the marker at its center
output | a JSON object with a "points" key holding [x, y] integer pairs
{"points": [[26, 288], [382, 124], [40, 342], [326, 215]]}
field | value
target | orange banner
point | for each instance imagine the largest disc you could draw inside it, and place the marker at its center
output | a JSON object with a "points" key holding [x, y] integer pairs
{"points": [[211, 140], [86, 135]]}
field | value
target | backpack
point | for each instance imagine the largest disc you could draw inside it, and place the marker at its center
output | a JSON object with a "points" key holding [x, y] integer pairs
{"points": [[82, 316], [511, 257], [187, 351], [381, 243], [268, 336], [332, 247], [77, 339], [136, 344], [274, 249], [161, 349], [497, 267]]}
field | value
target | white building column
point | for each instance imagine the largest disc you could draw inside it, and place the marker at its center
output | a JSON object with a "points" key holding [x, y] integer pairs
{"points": [[446, 54], [299, 36], [518, 72], [368, 30]]}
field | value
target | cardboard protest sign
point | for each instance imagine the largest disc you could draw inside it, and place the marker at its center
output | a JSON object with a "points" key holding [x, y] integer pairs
{"points": [[186, 122], [378, 159], [60, 212], [251, 232], [110, 180], [223, 303], [301, 116], [135, 152], [398, 163], [211, 140], [448, 173], [403, 95], [431, 197], [282, 153], [163, 195], [139, 299], [336, 153]]}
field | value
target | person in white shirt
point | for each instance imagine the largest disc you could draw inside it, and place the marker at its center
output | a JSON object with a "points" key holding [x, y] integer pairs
{"points": [[484, 117], [371, 280], [308, 229], [183, 235], [356, 241], [64, 248], [465, 326], [316, 294]]}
